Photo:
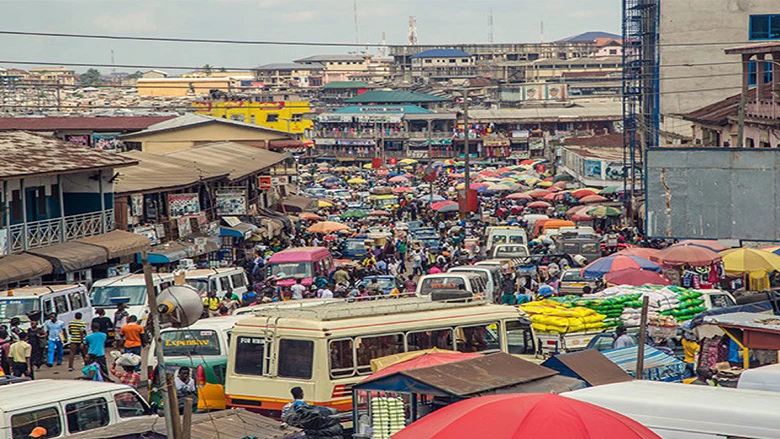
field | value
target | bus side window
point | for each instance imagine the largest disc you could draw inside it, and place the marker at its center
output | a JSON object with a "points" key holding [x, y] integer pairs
{"points": [[519, 338], [342, 358], [48, 307], [75, 300], [476, 338], [61, 304], [368, 348], [437, 338], [224, 283], [296, 358]]}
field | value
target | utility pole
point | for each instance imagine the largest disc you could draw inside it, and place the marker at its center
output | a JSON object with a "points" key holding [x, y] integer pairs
{"points": [[59, 101], [158, 350], [467, 173], [430, 158], [743, 99]]}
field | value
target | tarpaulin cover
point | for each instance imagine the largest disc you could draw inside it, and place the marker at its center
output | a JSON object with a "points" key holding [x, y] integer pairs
{"points": [[71, 256], [118, 243], [15, 268]]}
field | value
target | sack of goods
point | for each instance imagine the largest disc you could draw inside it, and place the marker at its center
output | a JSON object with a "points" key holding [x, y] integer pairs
{"points": [[550, 316]]}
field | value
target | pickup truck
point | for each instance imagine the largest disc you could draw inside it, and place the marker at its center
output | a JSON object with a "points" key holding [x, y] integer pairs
{"points": [[551, 343]]}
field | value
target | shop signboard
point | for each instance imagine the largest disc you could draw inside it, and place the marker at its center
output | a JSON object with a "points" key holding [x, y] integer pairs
{"points": [[183, 204], [137, 205], [159, 229], [356, 142], [148, 231], [231, 201], [184, 226], [592, 168], [107, 142], [334, 118], [324, 142], [379, 118], [78, 139], [119, 270], [264, 182]]}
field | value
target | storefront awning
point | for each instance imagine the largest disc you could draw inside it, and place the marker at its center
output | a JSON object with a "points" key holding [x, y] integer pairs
{"points": [[118, 243], [71, 256], [167, 253], [241, 230], [299, 203], [15, 268]]}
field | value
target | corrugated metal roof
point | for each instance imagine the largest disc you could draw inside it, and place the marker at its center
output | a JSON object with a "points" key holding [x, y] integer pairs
{"points": [[379, 109], [345, 84], [392, 97], [51, 123], [290, 66], [24, 154], [158, 172], [330, 58], [190, 120], [442, 53], [600, 110], [237, 159]]}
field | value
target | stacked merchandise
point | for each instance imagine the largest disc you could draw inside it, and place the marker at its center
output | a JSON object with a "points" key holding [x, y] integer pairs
{"points": [[559, 318], [388, 416]]}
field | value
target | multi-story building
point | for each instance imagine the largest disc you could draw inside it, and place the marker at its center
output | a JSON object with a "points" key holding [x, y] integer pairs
{"points": [[440, 64], [338, 67], [287, 116], [287, 75], [53, 75]]}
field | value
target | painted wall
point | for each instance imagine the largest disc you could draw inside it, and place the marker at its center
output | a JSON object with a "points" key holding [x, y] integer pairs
{"points": [[258, 113], [179, 140]]}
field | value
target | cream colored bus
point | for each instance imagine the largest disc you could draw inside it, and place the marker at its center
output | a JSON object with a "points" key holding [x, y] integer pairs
{"points": [[328, 347]]}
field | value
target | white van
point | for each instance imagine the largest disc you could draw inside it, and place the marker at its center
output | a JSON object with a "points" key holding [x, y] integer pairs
{"points": [[471, 282], [220, 280], [131, 289], [67, 407], [679, 411], [766, 378], [505, 235], [491, 275], [65, 300]]}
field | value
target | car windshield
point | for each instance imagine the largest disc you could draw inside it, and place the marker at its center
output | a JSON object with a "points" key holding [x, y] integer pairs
{"points": [[516, 239], [297, 270], [441, 283], [355, 246], [189, 342], [10, 308], [511, 251], [201, 285], [384, 283], [111, 295], [386, 202], [573, 276]]}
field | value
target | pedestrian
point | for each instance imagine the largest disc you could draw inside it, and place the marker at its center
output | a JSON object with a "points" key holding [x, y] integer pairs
{"points": [[20, 353], [96, 346], [410, 285], [623, 339], [185, 388], [36, 336], [91, 370], [128, 376], [55, 334], [211, 304], [104, 323], [5, 345], [298, 289], [120, 320], [133, 333], [14, 331], [77, 330], [295, 404]]}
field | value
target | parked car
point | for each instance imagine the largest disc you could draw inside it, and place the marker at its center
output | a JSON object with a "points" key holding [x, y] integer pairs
{"points": [[572, 282]]}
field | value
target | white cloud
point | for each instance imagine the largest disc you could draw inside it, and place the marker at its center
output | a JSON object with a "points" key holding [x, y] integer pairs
{"points": [[303, 16], [127, 22]]}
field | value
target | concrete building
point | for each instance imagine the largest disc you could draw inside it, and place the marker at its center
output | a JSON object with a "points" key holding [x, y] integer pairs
{"points": [[695, 71], [439, 64], [287, 75], [338, 67], [154, 74], [562, 70], [287, 116], [191, 130], [183, 86], [53, 75]]}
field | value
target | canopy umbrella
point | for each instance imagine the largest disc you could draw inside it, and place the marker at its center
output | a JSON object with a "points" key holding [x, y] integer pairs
{"points": [[382, 173], [563, 177], [368, 166], [525, 415], [609, 190], [576, 209], [601, 211], [577, 217], [635, 277], [440, 205], [398, 179], [748, 260], [462, 186], [539, 193], [323, 203], [591, 199], [539, 205], [354, 213], [308, 216], [341, 169], [775, 249], [602, 266], [527, 162], [408, 161], [402, 189], [579, 193], [708, 244], [431, 198], [327, 227], [499, 187], [356, 180], [554, 197], [642, 252], [457, 175], [379, 213], [560, 184], [686, 255], [519, 196], [331, 180], [544, 184]]}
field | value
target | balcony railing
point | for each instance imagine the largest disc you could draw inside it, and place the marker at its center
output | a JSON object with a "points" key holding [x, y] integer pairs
{"points": [[44, 233], [434, 135], [763, 109], [370, 134]]}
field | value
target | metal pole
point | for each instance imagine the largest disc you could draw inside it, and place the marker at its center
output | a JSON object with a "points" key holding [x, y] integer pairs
{"points": [[430, 157], [158, 347], [467, 173], [640, 353], [743, 100]]}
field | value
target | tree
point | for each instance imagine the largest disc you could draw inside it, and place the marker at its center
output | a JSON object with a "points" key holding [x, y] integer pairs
{"points": [[90, 78], [207, 70], [136, 75]]}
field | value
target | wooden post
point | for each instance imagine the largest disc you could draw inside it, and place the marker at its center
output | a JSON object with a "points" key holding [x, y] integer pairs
{"points": [[173, 402], [743, 100], [640, 353], [186, 425]]}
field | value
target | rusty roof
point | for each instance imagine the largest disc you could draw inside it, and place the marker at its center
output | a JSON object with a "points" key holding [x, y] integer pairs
{"points": [[589, 365], [754, 49], [156, 173], [92, 123], [24, 154], [236, 159], [603, 141], [719, 112]]}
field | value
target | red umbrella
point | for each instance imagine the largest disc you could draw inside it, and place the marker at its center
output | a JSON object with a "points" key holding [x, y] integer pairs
{"points": [[635, 277], [518, 196], [525, 415], [589, 199], [575, 210], [560, 184], [403, 189], [579, 193], [379, 213], [539, 205], [642, 252], [441, 204], [382, 172], [527, 162], [581, 217], [398, 179], [539, 193], [710, 245], [686, 255]]}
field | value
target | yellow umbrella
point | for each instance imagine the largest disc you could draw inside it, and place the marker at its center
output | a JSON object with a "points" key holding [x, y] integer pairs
{"points": [[408, 161], [748, 260], [356, 180], [323, 203], [544, 184], [368, 166], [341, 169], [327, 227]]}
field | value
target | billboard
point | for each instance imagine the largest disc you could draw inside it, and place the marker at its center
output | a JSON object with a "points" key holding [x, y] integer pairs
{"points": [[713, 193]]}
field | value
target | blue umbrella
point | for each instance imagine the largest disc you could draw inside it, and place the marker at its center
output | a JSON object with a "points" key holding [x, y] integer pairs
{"points": [[600, 267], [332, 180], [449, 208], [393, 174]]}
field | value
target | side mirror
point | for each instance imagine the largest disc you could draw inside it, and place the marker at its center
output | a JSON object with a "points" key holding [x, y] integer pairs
{"points": [[154, 408]]}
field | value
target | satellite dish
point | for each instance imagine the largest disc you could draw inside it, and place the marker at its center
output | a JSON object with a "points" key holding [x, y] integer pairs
{"points": [[179, 306]]}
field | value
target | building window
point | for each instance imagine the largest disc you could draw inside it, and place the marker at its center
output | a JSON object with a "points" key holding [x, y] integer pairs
{"points": [[427, 61], [452, 61], [753, 72], [765, 27], [272, 117]]}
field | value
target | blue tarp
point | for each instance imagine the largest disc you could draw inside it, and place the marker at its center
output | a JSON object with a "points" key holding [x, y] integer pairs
{"points": [[165, 253], [657, 367]]}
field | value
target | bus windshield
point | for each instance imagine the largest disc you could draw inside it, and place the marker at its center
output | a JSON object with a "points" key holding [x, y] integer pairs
{"points": [[200, 285], [296, 270], [441, 283], [189, 342], [111, 295], [13, 307]]}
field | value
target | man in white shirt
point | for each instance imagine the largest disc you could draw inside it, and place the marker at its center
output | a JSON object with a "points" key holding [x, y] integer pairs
{"points": [[297, 290], [623, 339], [326, 293]]}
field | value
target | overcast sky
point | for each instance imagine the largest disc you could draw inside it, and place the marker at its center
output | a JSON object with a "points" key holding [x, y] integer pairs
{"points": [[438, 21]]}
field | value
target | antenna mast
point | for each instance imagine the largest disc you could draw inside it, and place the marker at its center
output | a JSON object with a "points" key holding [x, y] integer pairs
{"points": [[412, 30], [490, 27], [354, 11]]}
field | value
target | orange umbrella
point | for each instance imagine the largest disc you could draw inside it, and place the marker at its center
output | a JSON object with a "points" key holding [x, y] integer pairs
{"points": [[589, 199], [308, 216], [686, 255], [539, 193], [642, 252], [579, 193], [519, 196], [539, 205], [327, 227]]}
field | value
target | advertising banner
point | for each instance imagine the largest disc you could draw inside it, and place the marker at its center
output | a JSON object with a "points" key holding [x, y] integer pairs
{"points": [[183, 204], [231, 201]]}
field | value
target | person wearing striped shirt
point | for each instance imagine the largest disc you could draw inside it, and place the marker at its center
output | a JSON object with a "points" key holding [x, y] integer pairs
{"points": [[77, 330]]}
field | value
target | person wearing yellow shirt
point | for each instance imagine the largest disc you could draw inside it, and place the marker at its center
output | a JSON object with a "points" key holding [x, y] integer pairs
{"points": [[19, 353], [691, 349], [211, 304]]}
